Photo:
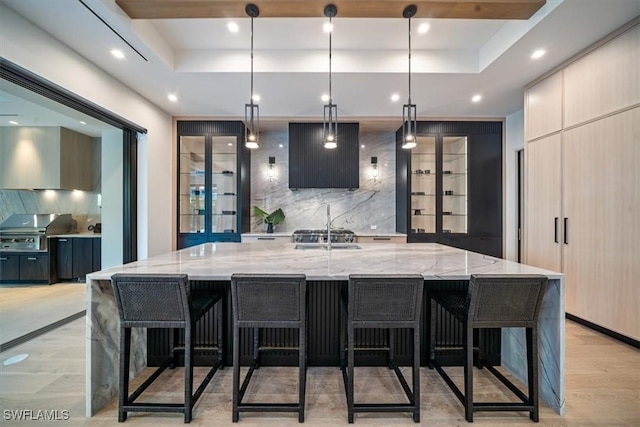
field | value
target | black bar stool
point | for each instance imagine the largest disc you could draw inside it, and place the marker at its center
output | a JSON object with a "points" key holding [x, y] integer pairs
{"points": [[496, 301], [268, 301], [162, 301], [389, 302]]}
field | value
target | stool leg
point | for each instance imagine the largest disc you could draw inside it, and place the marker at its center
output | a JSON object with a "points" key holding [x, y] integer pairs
{"points": [[125, 350], [532, 371], [256, 348], [392, 347], [350, 371], [431, 333], [343, 343], [416, 374], [468, 373], [188, 372], [302, 371], [236, 373]]}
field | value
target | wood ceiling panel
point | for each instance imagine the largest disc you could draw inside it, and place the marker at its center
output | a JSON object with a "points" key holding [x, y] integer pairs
{"points": [[459, 9]]}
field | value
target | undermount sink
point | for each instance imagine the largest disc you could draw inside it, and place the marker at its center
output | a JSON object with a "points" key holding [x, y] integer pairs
{"points": [[324, 246]]}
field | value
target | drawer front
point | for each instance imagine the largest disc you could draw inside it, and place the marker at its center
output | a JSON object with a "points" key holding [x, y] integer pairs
{"points": [[381, 239], [9, 267], [34, 267]]}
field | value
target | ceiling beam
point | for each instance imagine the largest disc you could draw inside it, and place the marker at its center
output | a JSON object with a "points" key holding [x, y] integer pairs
{"points": [[458, 9]]}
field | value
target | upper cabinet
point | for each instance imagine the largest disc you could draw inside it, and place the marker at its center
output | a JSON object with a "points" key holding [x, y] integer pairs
{"points": [[449, 187], [544, 107], [213, 199], [47, 158], [313, 166], [603, 81]]}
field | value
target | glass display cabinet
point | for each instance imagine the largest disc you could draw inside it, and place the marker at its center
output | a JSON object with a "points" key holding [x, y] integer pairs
{"points": [[211, 190], [449, 187], [438, 169]]}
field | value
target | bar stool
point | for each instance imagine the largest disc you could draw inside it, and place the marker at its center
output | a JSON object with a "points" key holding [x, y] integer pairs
{"points": [[388, 302], [268, 301], [496, 301], [162, 301]]}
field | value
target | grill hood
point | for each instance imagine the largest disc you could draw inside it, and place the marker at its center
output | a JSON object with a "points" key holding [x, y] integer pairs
{"points": [[37, 223]]}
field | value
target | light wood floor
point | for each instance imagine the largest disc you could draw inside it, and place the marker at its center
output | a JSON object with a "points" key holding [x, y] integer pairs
{"points": [[602, 389]]}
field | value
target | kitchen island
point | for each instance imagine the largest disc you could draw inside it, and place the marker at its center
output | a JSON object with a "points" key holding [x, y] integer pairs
{"points": [[213, 262]]}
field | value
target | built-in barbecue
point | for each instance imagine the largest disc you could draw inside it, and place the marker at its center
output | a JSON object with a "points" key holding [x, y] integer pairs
{"points": [[28, 232]]}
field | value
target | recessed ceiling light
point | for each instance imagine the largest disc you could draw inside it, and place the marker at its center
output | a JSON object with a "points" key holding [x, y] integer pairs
{"points": [[280, 145], [83, 122], [423, 28], [233, 27], [117, 53], [476, 98], [395, 97], [327, 27], [362, 146], [325, 97], [13, 122], [538, 54], [256, 97], [172, 97], [229, 144]]}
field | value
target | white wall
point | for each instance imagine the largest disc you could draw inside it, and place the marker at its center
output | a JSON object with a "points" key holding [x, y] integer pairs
{"points": [[29, 47], [514, 141]]}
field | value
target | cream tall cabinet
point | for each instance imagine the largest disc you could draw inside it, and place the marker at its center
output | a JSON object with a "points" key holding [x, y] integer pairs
{"points": [[582, 193]]}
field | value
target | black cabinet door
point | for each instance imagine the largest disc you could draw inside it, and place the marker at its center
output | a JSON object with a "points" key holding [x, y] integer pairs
{"points": [[64, 261], [9, 267], [34, 267], [82, 256], [97, 254]]}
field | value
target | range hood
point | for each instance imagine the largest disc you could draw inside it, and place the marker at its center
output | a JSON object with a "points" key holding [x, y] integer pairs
{"points": [[45, 158]]}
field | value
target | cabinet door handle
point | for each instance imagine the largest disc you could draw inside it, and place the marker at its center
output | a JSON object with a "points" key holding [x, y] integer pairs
{"points": [[32, 258], [555, 229], [382, 238], [266, 238], [4, 259], [566, 232], [63, 240]]}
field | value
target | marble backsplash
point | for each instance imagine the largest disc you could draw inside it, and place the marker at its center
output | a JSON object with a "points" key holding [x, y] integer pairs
{"points": [[373, 204], [82, 205]]}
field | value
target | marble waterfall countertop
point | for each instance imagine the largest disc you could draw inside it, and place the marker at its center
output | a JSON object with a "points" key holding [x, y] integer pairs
{"points": [[218, 261]]}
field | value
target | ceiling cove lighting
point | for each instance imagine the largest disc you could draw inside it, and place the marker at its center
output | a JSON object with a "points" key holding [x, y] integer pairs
{"points": [[409, 121], [330, 125], [252, 110]]}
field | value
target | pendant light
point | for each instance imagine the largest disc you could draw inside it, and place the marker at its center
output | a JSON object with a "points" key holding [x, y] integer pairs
{"points": [[330, 126], [409, 110], [252, 110]]}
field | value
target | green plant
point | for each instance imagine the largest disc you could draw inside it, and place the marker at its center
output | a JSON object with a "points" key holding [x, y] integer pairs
{"points": [[275, 217]]}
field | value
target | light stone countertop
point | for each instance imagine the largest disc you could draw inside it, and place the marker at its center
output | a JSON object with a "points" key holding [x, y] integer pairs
{"points": [[76, 235], [218, 261]]}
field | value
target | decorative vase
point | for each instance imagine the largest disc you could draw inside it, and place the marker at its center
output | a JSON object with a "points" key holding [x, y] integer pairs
{"points": [[269, 228]]}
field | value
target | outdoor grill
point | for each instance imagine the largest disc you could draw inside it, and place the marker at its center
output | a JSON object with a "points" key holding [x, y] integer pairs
{"points": [[28, 232]]}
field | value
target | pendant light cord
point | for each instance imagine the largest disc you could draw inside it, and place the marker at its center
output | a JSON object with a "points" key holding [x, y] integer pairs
{"points": [[409, 60], [330, 33], [251, 101]]}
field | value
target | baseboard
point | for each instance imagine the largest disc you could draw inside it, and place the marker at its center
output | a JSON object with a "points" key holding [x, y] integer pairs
{"points": [[625, 339]]}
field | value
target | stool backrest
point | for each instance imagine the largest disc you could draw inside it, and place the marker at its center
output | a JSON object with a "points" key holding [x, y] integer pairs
{"points": [[152, 300], [505, 300], [385, 298], [269, 298]]}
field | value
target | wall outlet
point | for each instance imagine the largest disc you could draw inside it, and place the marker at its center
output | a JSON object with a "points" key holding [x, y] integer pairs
{"points": [[374, 227]]}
